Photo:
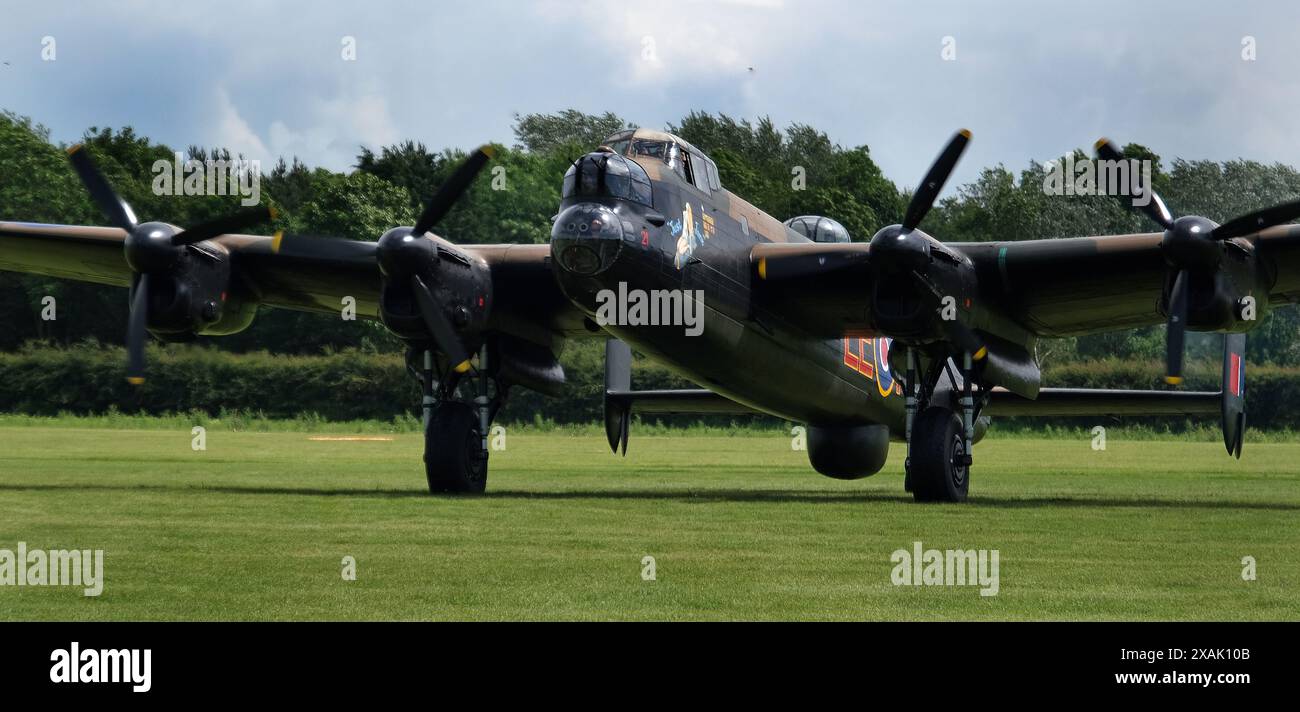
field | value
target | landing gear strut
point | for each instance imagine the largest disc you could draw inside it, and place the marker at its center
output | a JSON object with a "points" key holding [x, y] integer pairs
{"points": [[456, 429], [939, 441]]}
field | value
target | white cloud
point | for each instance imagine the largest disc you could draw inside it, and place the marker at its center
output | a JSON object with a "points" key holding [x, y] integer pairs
{"points": [[1032, 80], [677, 41], [232, 131], [334, 128]]}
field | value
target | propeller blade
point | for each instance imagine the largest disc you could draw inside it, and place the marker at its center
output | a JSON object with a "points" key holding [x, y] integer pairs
{"points": [[1177, 329], [926, 193], [439, 326], [1258, 220], [109, 202], [234, 222], [136, 332], [1155, 208], [450, 191]]}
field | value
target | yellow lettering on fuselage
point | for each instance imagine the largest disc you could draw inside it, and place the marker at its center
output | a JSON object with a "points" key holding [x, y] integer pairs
{"points": [[871, 359]]}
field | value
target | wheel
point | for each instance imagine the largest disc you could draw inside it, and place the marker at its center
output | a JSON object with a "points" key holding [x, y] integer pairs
{"points": [[454, 460], [939, 472]]}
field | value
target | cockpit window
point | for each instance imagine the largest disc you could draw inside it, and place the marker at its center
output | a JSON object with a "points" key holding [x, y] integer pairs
{"points": [[619, 147], [818, 228], [663, 150], [609, 175]]}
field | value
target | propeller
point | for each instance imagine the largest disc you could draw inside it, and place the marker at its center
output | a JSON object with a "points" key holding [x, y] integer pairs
{"points": [[444, 335], [225, 225], [1177, 336], [902, 250], [1193, 242], [928, 192], [137, 322], [150, 248], [899, 248], [1155, 208], [404, 254], [455, 186]]}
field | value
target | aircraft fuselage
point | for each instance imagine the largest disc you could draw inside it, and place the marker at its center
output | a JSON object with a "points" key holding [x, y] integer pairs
{"points": [[702, 248]]}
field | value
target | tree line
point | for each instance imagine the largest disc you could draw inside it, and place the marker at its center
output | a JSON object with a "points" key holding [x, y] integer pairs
{"points": [[786, 172]]}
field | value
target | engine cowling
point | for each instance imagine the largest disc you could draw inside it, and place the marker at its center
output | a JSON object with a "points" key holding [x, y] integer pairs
{"points": [[460, 283], [1219, 293], [197, 296]]}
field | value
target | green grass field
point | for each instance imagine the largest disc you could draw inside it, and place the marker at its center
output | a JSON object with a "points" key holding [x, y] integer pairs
{"points": [[256, 526]]}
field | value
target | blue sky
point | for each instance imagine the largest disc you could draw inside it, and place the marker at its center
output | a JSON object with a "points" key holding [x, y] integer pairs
{"points": [[1031, 80]]}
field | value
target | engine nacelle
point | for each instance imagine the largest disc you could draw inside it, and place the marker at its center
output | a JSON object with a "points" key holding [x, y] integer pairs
{"points": [[918, 281], [848, 452], [1217, 299], [197, 296], [461, 284]]}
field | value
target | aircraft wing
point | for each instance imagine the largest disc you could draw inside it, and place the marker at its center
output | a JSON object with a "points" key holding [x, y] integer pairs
{"points": [[1075, 286], [303, 273], [823, 289], [1053, 288]]}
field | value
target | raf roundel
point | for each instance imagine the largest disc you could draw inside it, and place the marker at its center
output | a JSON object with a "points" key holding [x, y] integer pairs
{"points": [[884, 377]]}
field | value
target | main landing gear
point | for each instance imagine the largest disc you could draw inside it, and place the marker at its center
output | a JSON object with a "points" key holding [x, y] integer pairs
{"points": [[458, 413], [940, 440]]}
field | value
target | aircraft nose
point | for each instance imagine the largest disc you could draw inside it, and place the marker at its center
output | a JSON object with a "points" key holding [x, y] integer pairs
{"points": [[587, 238]]}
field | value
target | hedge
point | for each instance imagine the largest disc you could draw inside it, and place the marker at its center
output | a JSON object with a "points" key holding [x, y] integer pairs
{"points": [[357, 385]]}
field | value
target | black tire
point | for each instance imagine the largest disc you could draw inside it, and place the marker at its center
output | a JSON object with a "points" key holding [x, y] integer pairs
{"points": [[937, 443], [454, 460]]}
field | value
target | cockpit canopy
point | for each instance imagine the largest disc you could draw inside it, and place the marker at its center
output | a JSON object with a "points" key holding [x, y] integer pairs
{"points": [[818, 228], [608, 175], [690, 164]]}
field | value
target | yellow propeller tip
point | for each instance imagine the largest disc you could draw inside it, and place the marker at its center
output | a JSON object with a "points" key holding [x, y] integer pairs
{"points": [[965, 133], [135, 380], [979, 355], [1173, 380], [276, 239], [1101, 142], [488, 150], [272, 212], [463, 366], [74, 149], [762, 268]]}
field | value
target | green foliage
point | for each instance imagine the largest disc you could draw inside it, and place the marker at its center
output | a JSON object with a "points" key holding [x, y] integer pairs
{"points": [[513, 202], [759, 163], [358, 385], [551, 133], [358, 206]]}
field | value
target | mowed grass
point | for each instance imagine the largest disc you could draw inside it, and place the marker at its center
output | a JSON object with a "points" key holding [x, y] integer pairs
{"points": [[256, 527]]}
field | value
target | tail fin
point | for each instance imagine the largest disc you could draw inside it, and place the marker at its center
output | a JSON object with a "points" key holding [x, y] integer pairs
{"points": [[618, 379], [1234, 392]]}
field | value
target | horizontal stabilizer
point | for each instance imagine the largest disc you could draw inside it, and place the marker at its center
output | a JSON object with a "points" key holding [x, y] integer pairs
{"points": [[696, 400], [620, 398], [1229, 404], [1097, 401]]}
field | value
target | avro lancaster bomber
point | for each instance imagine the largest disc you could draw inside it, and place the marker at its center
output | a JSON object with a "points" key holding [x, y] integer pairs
{"points": [[901, 339]]}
